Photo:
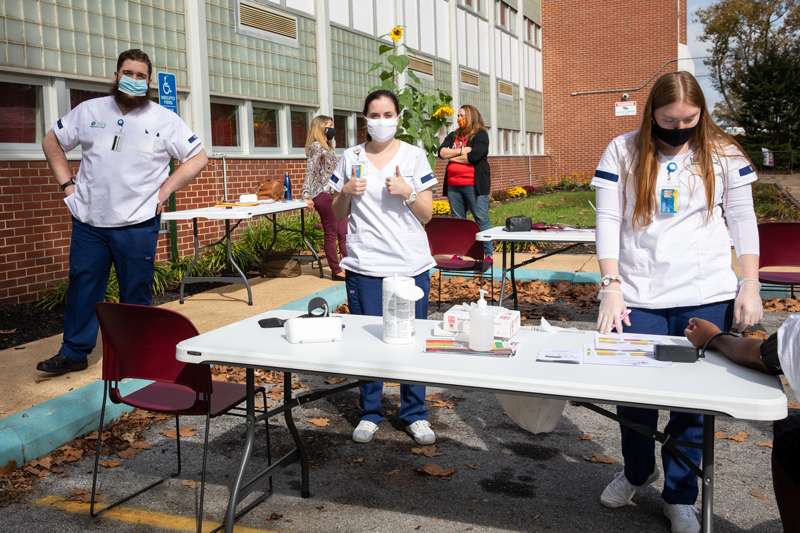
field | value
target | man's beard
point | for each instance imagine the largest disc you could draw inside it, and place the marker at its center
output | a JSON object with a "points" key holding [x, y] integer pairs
{"points": [[128, 101]]}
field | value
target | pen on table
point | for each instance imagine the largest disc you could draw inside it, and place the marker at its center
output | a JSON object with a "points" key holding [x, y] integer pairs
{"points": [[621, 318]]}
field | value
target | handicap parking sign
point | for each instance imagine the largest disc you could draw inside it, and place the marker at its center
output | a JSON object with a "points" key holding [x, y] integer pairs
{"points": [[167, 96]]}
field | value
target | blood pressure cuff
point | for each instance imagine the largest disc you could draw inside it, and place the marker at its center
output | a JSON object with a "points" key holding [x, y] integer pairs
{"points": [[769, 354]]}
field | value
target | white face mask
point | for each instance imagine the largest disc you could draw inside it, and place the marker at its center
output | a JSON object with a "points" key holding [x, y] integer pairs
{"points": [[381, 129]]}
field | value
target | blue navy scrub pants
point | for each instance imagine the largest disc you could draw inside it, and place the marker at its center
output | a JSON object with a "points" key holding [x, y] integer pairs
{"points": [[365, 297], [680, 483], [132, 250], [462, 198]]}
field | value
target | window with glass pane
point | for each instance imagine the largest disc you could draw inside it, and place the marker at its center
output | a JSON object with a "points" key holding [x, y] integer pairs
{"points": [[340, 123], [361, 130], [224, 125], [21, 113], [78, 96], [299, 120], [265, 127]]}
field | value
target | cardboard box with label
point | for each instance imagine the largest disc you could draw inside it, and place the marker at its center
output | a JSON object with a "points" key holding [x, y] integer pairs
{"points": [[506, 322]]}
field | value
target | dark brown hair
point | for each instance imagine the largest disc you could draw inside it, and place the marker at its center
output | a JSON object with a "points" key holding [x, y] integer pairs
{"points": [[135, 55]]}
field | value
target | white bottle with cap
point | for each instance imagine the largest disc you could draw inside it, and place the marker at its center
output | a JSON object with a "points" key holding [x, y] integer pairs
{"points": [[481, 326]]}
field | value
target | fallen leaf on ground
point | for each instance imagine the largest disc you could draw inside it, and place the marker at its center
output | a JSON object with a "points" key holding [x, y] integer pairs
{"points": [[739, 437], [597, 458], [765, 444], [474, 467], [436, 471], [57, 470], [44, 462], [273, 517], [427, 451], [8, 330], [393, 473], [84, 495], [42, 380], [186, 431], [275, 393], [36, 471], [585, 437], [320, 422], [130, 453], [439, 401], [129, 437], [113, 463], [331, 380], [390, 384], [10, 467], [192, 484], [756, 494], [358, 460], [793, 405]]}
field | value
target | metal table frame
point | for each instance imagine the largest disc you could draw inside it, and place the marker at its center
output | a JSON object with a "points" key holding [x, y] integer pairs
{"points": [[239, 214], [209, 349]]}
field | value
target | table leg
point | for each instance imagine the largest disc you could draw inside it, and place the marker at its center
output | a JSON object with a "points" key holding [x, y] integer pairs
{"points": [[232, 262], [503, 283], [708, 473], [513, 276], [305, 241], [298, 442], [194, 261], [250, 417]]}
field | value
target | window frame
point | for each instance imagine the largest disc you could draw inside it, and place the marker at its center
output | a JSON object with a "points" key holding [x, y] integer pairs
{"points": [[244, 134], [11, 151], [263, 150]]}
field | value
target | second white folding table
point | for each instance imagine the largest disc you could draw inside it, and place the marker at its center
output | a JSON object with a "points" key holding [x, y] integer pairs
{"points": [[238, 213]]}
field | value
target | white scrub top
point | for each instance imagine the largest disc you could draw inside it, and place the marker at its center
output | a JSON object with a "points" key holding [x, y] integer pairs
{"points": [[789, 351], [680, 259], [119, 187], [383, 235]]}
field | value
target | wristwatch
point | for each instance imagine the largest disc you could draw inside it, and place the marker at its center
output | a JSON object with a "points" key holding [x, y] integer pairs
{"points": [[67, 184], [605, 281], [410, 199]]}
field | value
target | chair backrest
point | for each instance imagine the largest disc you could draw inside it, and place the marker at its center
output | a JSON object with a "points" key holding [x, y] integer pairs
{"points": [[139, 342], [454, 236], [779, 244]]}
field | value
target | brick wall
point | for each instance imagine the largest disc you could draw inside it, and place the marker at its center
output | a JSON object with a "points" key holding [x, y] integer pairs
{"points": [[604, 45], [35, 224]]}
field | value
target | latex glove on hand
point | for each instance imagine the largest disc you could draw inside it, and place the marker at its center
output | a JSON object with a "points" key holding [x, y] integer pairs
{"points": [[748, 309], [612, 307]]}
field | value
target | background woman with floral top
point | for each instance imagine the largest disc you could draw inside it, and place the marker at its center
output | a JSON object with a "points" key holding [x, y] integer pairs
{"points": [[321, 161], [468, 178]]}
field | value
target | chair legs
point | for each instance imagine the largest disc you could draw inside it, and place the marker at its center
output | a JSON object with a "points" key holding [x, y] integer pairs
{"points": [[97, 463]]}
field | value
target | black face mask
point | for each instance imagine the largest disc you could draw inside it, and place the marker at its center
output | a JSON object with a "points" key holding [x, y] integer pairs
{"points": [[330, 133], [674, 137]]}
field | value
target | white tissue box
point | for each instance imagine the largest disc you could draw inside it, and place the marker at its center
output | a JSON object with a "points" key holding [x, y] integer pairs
{"points": [[506, 322]]}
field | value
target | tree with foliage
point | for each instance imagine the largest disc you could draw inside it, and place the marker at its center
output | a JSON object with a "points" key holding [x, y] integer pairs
{"points": [[423, 113], [754, 61]]}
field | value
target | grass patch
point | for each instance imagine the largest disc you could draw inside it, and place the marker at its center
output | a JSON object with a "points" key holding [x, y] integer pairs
{"points": [[556, 208]]}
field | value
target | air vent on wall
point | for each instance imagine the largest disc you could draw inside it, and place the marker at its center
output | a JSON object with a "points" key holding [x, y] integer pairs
{"points": [[470, 77], [421, 65], [258, 18], [505, 88]]}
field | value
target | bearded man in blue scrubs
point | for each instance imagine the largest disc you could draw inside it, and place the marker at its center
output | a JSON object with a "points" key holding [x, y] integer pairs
{"points": [[115, 199]]}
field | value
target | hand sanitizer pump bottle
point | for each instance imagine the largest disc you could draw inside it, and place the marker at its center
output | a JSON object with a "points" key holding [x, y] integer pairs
{"points": [[481, 326]]}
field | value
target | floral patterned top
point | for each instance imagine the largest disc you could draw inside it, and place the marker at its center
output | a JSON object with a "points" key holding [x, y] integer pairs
{"points": [[319, 166]]}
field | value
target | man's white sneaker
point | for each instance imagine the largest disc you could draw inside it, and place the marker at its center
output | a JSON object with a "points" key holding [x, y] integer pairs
{"points": [[422, 432], [683, 517], [364, 431], [620, 492]]}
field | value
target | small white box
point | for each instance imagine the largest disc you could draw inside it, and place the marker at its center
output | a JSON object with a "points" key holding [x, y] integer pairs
{"points": [[301, 330], [506, 322]]}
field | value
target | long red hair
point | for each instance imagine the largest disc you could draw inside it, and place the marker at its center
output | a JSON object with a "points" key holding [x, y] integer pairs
{"points": [[709, 142]]}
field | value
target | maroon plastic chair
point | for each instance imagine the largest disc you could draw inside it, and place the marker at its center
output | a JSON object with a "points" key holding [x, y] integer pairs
{"points": [[455, 250], [139, 342], [780, 247]]}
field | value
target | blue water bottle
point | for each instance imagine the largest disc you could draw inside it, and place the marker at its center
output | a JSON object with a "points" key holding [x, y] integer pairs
{"points": [[288, 185]]}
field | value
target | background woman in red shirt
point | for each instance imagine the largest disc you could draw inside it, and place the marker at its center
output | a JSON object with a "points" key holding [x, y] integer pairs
{"points": [[468, 178]]}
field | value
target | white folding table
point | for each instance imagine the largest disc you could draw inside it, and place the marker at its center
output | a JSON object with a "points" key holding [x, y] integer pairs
{"points": [[574, 236], [712, 386], [239, 213]]}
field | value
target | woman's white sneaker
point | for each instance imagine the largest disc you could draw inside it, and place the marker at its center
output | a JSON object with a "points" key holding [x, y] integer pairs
{"points": [[682, 517], [422, 432], [364, 431], [620, 492]]}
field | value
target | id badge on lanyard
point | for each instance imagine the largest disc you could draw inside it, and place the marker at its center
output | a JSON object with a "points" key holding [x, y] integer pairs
{"points": [[119, 138], [668, 193]]}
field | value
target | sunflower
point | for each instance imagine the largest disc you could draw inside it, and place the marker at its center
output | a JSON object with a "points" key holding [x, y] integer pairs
{"points": [[397, 33], [444, 111]]}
